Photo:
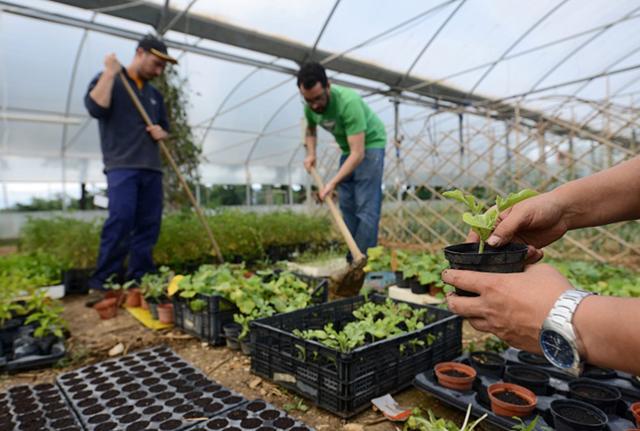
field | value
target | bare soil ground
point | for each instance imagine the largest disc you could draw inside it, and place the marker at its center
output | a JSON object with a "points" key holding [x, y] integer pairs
{"points": [[92, 338]]}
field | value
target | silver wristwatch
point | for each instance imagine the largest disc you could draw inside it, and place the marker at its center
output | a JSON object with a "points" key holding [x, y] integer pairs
{"points": [[558, 338]]}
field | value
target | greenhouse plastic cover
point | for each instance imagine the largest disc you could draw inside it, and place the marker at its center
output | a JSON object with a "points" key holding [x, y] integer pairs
{"points": [[249, 121]]}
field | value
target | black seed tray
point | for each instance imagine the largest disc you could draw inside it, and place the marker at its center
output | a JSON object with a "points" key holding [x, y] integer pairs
{"points": [[36, 408], [76, 280], [31, 362], [207, 324], [258, 414], [345, 383], [153, 389], [624, 382], [620, 419]]}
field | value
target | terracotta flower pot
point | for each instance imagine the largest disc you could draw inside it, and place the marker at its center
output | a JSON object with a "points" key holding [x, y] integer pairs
{"points": [[165, 313], [454, 375], [511, 400], [107, 308], [143, 303], [117, 294], [635, 409], [133, 297]]}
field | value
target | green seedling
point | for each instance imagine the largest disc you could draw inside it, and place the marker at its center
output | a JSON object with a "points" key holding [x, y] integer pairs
{"points": [[483, 223]]}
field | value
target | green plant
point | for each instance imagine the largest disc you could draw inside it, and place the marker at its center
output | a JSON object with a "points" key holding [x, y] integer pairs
{"points": [[481, 222], [297, 404], [378, 259], [154, 286], [112, 284], [417, 422], [522, 426], [425, 267], [47, 313]]}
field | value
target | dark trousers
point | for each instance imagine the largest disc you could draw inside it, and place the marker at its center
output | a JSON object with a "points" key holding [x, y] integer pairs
{"points": [[133, 225]]}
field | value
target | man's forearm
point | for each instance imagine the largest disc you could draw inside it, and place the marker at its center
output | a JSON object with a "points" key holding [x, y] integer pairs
{"points": [[606, 197], [608, 330], [101, 93]]}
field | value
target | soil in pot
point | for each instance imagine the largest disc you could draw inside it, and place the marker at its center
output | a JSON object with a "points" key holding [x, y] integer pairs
{"points": [[133, 297], [487, 363], [165, 313], [574, 415], [536, 381], [107, 308], [454, 375], [507, 259], [602, 396], [508, 399], [231, 333]]}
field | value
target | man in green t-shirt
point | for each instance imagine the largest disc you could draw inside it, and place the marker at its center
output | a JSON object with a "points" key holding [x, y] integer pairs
{"points": [[361, 136]]}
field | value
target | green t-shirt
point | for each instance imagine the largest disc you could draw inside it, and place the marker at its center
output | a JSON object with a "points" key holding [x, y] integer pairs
{"points": [[348, 115]]}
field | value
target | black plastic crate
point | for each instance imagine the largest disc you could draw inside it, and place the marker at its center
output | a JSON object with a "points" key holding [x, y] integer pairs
{"points": [[256, 414], [76, 281], [345, 383], [151, 389], [619, 417], [35, 408], [207, 324]]}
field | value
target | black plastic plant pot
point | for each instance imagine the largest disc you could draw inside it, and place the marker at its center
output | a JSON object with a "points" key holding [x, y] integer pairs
{"points": [[246, 347], [400, 281], [416, 287], [487, 363], [537, 381], [533, 359], [593, 372], [574, 415], [602, 396], [231, 333], [509, 258], [153, 308]]}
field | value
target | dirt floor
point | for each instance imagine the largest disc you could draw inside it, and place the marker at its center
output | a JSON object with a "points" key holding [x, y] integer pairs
{"points": [[92, 339]]}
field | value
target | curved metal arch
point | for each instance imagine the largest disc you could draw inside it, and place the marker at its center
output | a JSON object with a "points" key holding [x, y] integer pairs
{"points": [[324, 27], [432, 39], [266, 126], [575, 51], [516, 43]]}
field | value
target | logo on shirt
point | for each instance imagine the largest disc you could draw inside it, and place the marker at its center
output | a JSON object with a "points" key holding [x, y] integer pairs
{"points": [[153, 102], [328, 125]]}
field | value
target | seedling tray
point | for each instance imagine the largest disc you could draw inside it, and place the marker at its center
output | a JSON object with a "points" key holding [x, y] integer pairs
{"points": [[207, 324], [622, 381], [345, 383], [36, 408], [150, 389], [257, 414], [558, 389], [31, 362]]}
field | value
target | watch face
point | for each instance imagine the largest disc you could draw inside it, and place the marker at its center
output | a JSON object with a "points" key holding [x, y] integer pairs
{"points": [[557, 350]]}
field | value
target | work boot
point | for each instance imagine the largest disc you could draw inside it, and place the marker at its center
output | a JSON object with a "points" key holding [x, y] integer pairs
{"points": [[94, 296]]}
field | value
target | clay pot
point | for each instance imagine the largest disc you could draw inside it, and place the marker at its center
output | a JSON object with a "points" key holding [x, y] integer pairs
{"points": [[165, 313], [511, 400], [635, 409], [454, 375], [133, 297], [107, 308], [143, 303]]}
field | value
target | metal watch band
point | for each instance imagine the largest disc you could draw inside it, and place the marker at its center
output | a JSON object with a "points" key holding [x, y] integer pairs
{"points": [[562, 311]]}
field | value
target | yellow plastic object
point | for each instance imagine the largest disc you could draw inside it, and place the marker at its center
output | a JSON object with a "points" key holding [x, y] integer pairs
{"points": [[144, 317], [173, 285]]}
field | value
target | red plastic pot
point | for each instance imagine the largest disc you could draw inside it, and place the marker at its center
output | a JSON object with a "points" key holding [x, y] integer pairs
{"points": [[107, 308], [635, 409], [165, 313], [133, 297], [462, 378], [504, 408]]}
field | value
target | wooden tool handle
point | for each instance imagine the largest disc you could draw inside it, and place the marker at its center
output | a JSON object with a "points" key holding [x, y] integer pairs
{"points": [[167, 154], [337, 218]]}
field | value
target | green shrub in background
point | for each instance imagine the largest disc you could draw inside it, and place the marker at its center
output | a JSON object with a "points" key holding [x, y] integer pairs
{"points": [[183, 245], [22, 271]]}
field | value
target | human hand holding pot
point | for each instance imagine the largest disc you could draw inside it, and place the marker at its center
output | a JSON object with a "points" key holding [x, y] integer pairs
{"points": [[537, 222], [511, 306]]}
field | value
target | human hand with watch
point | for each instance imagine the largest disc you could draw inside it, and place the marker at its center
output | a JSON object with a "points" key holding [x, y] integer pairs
{"points": [[538, 310]]}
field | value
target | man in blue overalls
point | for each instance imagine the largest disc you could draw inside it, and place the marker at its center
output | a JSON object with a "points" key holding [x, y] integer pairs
{"points": [[132, 162]]}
